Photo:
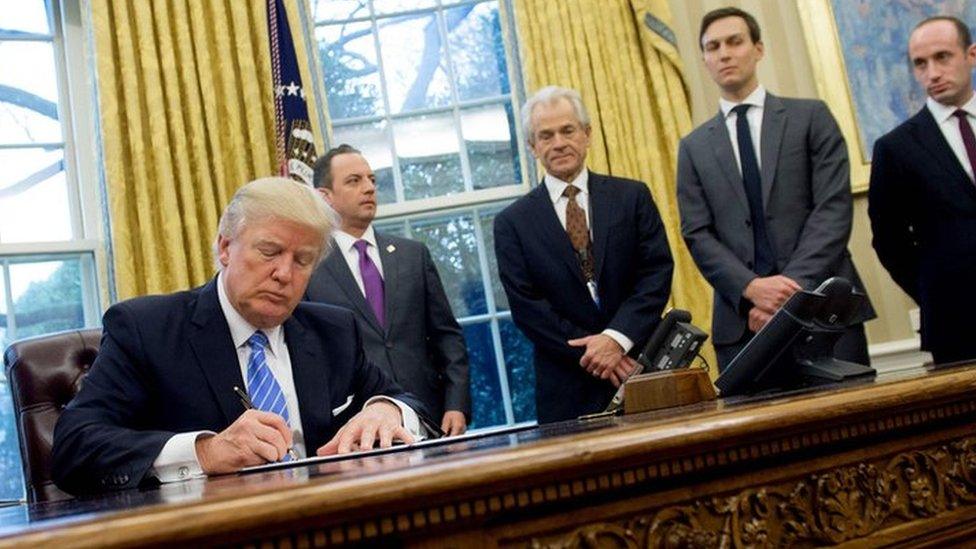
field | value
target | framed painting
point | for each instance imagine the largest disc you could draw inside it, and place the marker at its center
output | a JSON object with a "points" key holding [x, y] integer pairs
{"points": [[859, 53]]}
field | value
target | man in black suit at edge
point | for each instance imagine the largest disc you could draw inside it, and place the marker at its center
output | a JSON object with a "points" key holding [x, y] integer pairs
{"points": [[584, 261], [922, 199]]}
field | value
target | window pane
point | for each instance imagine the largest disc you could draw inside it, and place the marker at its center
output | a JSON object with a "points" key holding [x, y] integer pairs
{"points": [[47, 296], [427, 148], [28, 93], [412, 48], [352, 77], [477, 50], [25, 16], [397, 228], [487, 406], [33, 196], [338, 10], [487, 220], [11, 479], [489, 136], [374, 142], [4, 340], [394, 6], [453, 245], [521, 371]]}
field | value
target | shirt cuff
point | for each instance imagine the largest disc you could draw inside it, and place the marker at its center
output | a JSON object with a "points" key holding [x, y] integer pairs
{"points": [[410, 420], [178, 460], [625, 343]]}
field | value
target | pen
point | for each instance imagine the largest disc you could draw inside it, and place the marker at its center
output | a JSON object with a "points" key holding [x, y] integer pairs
{"points": [[246, 402]]}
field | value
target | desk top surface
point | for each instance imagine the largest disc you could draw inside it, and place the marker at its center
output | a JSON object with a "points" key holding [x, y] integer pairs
{"points": [[501, 456]]}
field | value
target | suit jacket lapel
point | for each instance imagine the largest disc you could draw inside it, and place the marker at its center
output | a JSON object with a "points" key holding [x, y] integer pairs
{"points": [[391, 275], [215, 353], [309, 368], [927, 132], [551, 231], [771, 137], [721, 145], [600, 209], [337, 267]]}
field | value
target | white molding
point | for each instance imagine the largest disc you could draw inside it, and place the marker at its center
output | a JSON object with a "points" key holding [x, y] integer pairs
{"points": [[449, 202], [900, 354]]}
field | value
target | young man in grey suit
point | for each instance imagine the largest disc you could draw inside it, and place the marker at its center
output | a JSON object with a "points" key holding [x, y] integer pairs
{"points": [[764, 194], [922, 199], [392, 286]]}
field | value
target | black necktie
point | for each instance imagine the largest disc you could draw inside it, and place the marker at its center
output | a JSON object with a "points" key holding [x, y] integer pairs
{"points": [[764, 261]]}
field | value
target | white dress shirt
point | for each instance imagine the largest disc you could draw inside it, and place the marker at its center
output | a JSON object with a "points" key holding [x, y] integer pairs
{"points": [[949, 125], [345, 243], [754, 116], [556, 186], [178, 459]]}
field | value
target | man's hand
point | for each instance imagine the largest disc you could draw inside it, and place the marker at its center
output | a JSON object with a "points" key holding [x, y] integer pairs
{"points": [[758, 318], [254, 438], [769, 293], [602, 354], [453, 423], [623, 370], [380, 419]]}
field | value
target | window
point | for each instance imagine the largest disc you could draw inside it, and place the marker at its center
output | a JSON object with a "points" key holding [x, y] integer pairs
{"points": [[427, 89], [48, 249]]}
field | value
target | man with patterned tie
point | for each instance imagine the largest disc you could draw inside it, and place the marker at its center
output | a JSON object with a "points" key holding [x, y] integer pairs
{"points": [[392, 286], [922, 199], [585, 263], [235, 373], [764, 194]]}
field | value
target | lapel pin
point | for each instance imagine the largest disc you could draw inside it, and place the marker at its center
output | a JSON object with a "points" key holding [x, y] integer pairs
{"points": [[391, 248]]}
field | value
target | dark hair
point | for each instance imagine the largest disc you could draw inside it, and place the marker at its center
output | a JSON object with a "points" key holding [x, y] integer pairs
{"points": [[722, 13], [962, 30], [322, 171]]}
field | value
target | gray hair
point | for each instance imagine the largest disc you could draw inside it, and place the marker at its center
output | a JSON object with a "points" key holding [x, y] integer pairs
{"points": [[549, 95], [278, 198]]}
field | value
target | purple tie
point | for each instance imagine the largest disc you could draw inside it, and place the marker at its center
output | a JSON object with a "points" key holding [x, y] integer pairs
{"points": [[372, 282], [968, 139]]}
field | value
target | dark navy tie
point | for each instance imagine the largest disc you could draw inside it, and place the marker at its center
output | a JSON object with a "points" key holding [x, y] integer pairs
{"points": [[968, 139], [764, 263]]}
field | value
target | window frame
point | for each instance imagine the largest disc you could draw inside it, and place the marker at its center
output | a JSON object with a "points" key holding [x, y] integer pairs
{"points": [[469, 202]]}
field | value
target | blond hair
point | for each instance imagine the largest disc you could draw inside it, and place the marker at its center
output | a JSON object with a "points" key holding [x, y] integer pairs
{"points": [[275, 198]]}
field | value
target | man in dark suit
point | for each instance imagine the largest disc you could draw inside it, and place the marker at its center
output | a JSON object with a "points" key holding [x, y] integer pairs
{"points": [[922, 199], [585, 263], [764, 194], [392, 286], [165, 397]]}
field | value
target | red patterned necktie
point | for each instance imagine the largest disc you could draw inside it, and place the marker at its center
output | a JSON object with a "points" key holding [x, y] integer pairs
{"points": [[579, 233]]}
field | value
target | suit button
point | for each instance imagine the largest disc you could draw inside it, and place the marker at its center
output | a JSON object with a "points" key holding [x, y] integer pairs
{"points": [[389, 344], [748, 223], [749, 264], [769, 217]]}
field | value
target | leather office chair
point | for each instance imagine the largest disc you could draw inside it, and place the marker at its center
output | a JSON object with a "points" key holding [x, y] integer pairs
{"points": [[45, 373]]}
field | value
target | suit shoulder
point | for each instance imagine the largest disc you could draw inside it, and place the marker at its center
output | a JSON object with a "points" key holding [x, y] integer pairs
{"points": [[155, 308], [322, 313], [620, 185], [520, 205], [402, 243]]}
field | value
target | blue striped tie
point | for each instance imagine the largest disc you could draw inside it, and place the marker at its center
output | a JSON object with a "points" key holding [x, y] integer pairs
{"points": [[263, 388]]}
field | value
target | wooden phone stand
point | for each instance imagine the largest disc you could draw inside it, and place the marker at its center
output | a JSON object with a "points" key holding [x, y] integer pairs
{"points": [[666, 389]]}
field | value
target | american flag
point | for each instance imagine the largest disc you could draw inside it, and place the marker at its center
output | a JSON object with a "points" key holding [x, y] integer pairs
{"points": [[293, 131]]}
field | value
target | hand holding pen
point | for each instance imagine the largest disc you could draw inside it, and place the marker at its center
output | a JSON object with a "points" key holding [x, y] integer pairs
{"points": [[248, 405]]}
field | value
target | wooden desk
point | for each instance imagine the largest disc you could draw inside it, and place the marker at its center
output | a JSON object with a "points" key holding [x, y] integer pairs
{"points": [[891, 462]]}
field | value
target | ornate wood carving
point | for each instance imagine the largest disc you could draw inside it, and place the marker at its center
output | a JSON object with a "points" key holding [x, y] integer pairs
{"points": [[828, 507]]}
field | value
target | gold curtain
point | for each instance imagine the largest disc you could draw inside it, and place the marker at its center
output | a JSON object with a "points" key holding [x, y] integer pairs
{"points": [[186, 117], [621, 57]]}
